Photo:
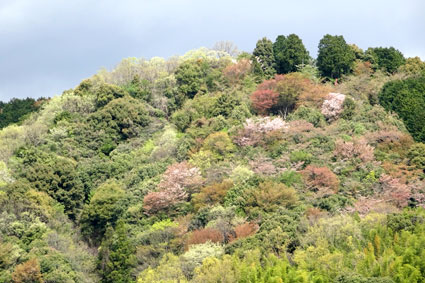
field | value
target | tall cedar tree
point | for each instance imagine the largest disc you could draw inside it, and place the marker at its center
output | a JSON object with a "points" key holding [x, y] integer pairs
{"points": [[336, 57], [289, 53], [278, 47], [263, 58]]}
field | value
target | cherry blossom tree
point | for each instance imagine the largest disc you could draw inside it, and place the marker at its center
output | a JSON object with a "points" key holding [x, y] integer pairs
{"points": [[178, 182], [332, 106]]}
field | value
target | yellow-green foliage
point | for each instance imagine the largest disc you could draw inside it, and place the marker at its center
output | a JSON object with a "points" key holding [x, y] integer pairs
{"points": [[168, 271]]}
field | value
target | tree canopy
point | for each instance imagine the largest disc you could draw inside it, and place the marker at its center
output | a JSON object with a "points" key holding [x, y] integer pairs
{"points": [[335, 57], [263, 58], [289, 53]]}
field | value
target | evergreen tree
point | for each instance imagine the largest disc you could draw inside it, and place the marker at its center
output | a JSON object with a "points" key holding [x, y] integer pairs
{"points": [[335, 57], [407, 99], [105, 207], [17, 110], [189, 79], [386, 59], [278, 48], [289, 52], [116, 255], [263, 58]]}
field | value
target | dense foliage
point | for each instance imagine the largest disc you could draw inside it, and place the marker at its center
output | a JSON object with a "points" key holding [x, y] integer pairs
{"points": [[335, 56], [217, 167], [289, 53], [17, 110], [407, 99], [263, 58], [386, 59]]}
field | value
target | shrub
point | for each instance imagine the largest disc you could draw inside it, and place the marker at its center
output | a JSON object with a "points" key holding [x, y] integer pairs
{"points": [[301, 157], [310, 115], [349, 107], [416, 155]]}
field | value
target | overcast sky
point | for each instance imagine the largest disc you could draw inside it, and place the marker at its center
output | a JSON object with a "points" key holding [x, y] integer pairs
{"points": [[47, 46]]}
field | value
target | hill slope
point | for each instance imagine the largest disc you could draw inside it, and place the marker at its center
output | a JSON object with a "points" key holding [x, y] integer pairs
{"points": [[197, 169]]}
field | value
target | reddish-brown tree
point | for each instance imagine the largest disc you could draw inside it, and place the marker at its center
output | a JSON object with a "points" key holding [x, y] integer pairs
{"points": [[263, 100], [245, 230], [320, 180], [284, 93], [204, 235], [236, 72]]}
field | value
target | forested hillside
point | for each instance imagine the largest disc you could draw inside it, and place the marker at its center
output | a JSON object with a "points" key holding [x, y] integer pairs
{"points": [[223, 166]]}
